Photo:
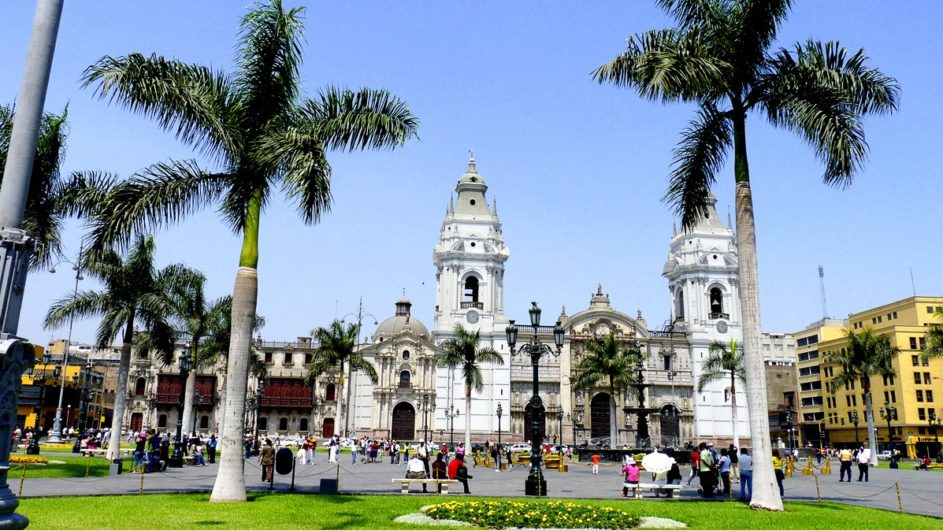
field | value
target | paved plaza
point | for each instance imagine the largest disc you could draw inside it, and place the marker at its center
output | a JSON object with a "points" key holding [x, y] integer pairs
{"points": [[920, 492]]}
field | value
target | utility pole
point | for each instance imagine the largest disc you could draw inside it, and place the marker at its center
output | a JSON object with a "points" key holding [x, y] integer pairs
{"points": [[15, 244]]}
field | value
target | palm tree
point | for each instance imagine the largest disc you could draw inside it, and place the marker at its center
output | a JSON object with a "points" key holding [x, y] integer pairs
{"points": [[204, 322], [934, 338], [867, 355], [463, 350], [262, 134], [721, 58], [134, 293], [606, 360], [51, 198], [724, 361], [337, 346]]}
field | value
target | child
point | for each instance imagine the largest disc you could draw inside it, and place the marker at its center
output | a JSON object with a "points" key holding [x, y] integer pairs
{"points": [[631, 472], [595, 460]]}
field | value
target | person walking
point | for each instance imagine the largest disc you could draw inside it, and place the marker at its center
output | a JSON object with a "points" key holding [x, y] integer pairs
{"points": [[332, 450], [734, 463], [267, 460], [595, 460], [211, 448], [844, 458], [724, 468], [706, 471], [695, 464], [746, 475], [864, 461], [778, 467]]}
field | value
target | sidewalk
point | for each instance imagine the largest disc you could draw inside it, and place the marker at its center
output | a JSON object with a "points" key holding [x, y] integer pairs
{"points": [[919, 491]]}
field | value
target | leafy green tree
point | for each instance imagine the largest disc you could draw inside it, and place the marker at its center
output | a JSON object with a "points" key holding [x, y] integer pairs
{"points": [[607, 361], [867, 355], [337, 347], [724, 361], [134, 293], [51, 198], [721, 57], [259, 131], [934, 338], [463, 350]]}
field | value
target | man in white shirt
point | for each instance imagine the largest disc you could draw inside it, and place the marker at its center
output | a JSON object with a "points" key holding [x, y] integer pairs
{"points": [[864, 460], [416, 468]]}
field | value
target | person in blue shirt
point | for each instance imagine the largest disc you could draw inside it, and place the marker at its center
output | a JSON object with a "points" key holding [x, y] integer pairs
{"points": [[724, 462]]}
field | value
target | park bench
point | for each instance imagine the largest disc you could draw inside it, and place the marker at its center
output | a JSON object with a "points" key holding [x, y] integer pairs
{"points": [[635, 490], [92, 452], [405, 482]]}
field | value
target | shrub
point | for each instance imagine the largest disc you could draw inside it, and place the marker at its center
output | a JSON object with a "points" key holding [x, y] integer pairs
{"points": [[28, 459], [548, 514]]}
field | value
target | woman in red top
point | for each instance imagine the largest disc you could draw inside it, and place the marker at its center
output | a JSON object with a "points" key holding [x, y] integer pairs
{"points": [[695, 464], [459, 471]]}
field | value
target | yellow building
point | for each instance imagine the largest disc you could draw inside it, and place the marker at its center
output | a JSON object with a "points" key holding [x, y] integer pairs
{"points": [[912, 396], [39, 397], [813, 393]]}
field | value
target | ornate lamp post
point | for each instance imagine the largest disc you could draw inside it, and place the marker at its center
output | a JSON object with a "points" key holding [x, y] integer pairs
{"points": [[854, 421], [88, 380], [934, 422], [55, 435], [40, 379], [534, 412], [423, 406], [889, 413], [185, 365], [450, 414], [499, 424]]}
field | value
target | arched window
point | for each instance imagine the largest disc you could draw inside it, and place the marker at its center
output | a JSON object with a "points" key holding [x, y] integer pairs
{"points": [[303, 425], [283, 424], [139, 386], [717, 303], [679, 305], [162, 420], [329, 392], [471, 293], [405, 355], [263, 423], [204, 422], [404, 379]]}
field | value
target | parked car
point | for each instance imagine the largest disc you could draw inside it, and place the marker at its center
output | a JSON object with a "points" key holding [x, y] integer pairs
{"points": [[519, 448], [885, 455]]}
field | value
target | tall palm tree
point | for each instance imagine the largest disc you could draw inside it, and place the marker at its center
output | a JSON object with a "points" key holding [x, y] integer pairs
{"points": [[337, 346], [934, 337], [608, 361], [463, 350], [867, 355], [259, 131], [724, 361], [134, 293], [202, 321], [51, 198], [721, 57]]}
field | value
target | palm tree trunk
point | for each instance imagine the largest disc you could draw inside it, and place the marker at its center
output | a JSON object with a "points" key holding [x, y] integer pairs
{"points": [[467, 417], [872, 435], [733, 412], [188, 396], [613, 429], [765, 489], [349, 384], [230, 483], [121, 393]]}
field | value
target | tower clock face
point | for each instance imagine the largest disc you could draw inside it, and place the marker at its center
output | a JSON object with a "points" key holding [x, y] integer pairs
{"points": [[722, 327], [472, 317]]}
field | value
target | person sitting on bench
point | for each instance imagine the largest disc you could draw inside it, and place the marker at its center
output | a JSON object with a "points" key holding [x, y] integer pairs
{"points": [[459, 471], [631, 472], [439, 471], [416, 468]]}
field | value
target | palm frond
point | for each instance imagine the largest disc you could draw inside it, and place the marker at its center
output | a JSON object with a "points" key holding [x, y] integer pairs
{"points": [[188, 100], [365, 366], [305, 169], [85, 304], [697, 159], [934, 348], [688, 13], [666, 65], [160, 195], [368, 118]]}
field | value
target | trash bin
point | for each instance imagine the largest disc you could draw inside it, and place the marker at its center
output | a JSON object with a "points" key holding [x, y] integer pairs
{"points": [[115, 467], [328, 485]]}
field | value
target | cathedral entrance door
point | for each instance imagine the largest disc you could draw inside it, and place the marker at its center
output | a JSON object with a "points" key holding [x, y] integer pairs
{"points": [[599, 415], [670, 426], [137, 421], [327, 428], [404, 422]]}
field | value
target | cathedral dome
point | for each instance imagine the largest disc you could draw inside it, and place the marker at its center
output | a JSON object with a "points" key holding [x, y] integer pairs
{"points": [[400, 322]]}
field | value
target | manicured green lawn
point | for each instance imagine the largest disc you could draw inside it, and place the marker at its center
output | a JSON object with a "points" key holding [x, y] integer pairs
{"points": [[377, 512], [61, 466]]}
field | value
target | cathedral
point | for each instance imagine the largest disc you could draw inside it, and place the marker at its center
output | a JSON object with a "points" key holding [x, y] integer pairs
{"points": [[413, 397]]}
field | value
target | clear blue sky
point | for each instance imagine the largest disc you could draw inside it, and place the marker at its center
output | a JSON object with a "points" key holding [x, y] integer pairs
{"points": [[578, 169]]}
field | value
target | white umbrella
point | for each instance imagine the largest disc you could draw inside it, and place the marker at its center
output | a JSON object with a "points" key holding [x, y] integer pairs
{"points": [[657, 462]]}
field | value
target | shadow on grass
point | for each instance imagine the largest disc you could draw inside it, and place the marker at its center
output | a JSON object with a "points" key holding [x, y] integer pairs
{"points": [[209, 523]]}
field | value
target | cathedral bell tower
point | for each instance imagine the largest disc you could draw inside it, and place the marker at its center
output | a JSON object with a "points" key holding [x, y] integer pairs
{"points": [[704, 283], [469, 263]]}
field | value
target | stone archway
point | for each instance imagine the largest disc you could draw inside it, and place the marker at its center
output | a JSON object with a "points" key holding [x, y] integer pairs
{"points": [[600, 416], [404, 422]]}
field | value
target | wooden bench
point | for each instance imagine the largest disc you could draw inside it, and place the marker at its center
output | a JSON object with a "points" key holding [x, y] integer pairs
{"points": [[92, 452], [435, 483], [636, 489]]}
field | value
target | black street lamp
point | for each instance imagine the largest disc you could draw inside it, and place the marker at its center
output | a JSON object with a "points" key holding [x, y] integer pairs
{"points": [[889, 413], [176, 460], [854, 420], [499, 424], [85, 393], [534, 412], [450, 414], [424, 405], [934, 422]]}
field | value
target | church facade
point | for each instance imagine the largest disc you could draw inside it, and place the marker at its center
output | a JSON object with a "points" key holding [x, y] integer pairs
{"points": [[414, 398]]}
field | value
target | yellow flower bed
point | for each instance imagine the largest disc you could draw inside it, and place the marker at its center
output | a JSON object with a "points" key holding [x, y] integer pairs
{"points": [[28, 459], [550, 514], [57, 447]]}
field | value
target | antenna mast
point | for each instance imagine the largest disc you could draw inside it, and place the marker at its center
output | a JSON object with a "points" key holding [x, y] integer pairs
{"points": [[822, 289]]}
